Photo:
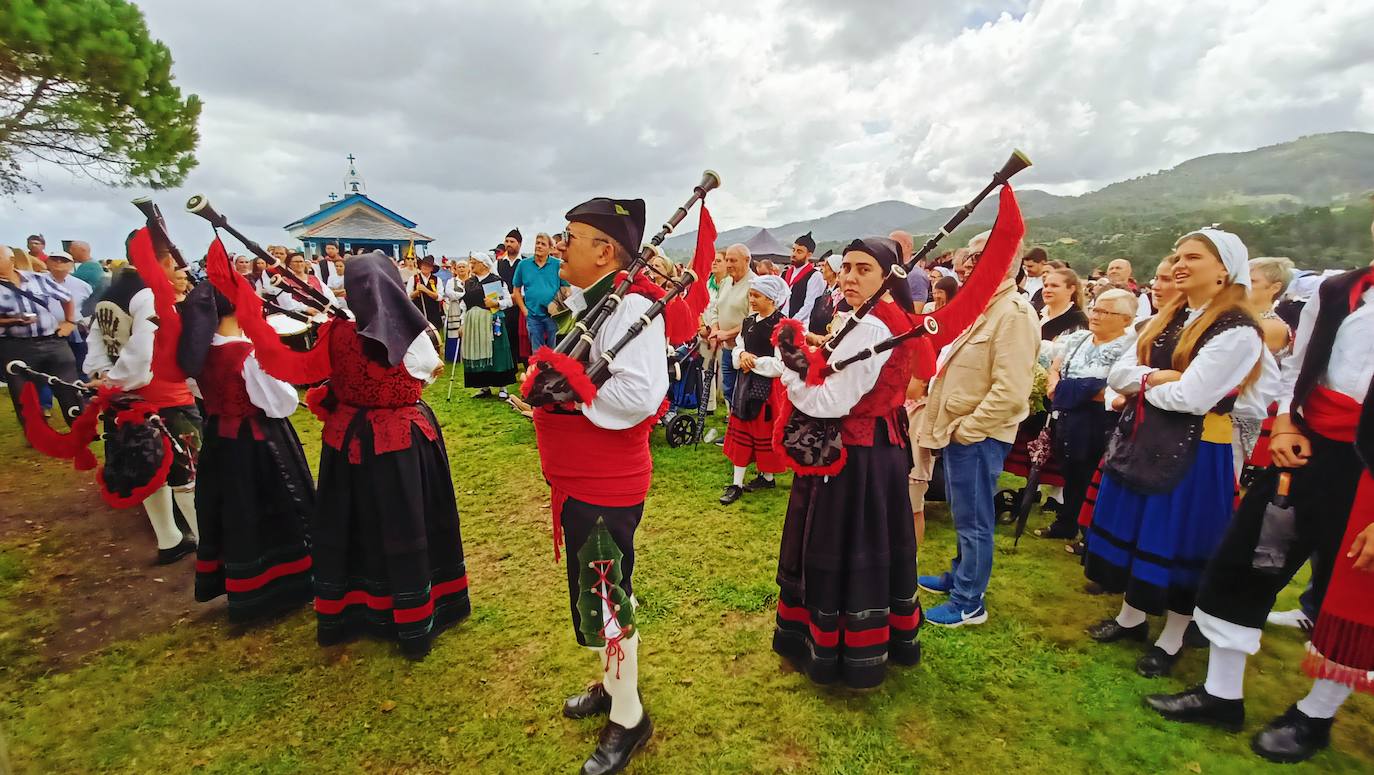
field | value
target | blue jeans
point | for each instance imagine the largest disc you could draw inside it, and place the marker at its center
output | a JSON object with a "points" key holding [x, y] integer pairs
{"points": [[727, 373], [543, 331], [971, 472]]}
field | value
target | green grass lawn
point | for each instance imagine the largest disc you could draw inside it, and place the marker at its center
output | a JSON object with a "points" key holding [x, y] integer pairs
{"points": [[1026, 692]]}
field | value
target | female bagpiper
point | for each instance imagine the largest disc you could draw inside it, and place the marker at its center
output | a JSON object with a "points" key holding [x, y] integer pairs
{"points": [[1168, 481], [255, 495], [753, 408], [388, 556], [847, 566]]}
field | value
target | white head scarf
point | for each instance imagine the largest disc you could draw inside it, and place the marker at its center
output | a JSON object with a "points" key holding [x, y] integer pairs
{"points": [[773, 287], [834, 261], [1234, 255], [483, 256]]}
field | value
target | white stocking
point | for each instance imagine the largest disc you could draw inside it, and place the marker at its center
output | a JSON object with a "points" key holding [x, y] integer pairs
{"points": [[186, 501], [1171, 639], [159, 508], [1325, 699], [622, 683], [1225, 673], [1130, 616]]}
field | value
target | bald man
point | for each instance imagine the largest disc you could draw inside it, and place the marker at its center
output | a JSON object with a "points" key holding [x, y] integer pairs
{"points": [[89, 272], [1119, 271], [916, 279]]}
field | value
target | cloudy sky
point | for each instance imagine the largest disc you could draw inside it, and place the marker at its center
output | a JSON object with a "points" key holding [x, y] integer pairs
{"points": [[477, 116]]}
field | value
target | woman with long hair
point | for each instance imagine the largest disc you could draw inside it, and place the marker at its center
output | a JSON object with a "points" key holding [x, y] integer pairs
{"points": [[1062, 291], [1168, 478]]}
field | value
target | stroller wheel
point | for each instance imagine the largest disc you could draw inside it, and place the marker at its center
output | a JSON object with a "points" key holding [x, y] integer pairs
{"points": [[1004, 505], [681, 431]]}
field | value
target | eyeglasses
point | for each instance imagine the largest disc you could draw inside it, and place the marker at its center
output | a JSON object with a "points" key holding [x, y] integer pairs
{"points": [[567, 237], [1096, 311]]}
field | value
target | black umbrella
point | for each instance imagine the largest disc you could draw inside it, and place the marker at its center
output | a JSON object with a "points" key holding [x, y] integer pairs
{"points": [[1277, 531], [1038, 450]]}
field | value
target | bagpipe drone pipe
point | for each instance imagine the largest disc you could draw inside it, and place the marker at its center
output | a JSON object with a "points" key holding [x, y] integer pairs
{"points": [[563, 373], [813, 445]]}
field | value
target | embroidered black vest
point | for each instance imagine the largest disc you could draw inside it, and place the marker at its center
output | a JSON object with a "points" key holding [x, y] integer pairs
{"points": [[799, 280], [1162, 349]]}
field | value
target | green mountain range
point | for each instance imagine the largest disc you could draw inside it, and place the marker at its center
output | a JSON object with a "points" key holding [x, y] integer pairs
{"points": [[1307, 198]]}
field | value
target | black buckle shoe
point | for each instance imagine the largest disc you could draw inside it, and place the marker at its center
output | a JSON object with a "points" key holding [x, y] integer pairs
{"points": [[1196, 706], [617, 745], [593, 702], [1111, 631], [169, 556], [732, 493], [1157, 662], [1293, 737], [760, 483]]}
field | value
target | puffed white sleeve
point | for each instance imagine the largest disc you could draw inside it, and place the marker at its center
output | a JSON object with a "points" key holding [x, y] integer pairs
{"points": [[97, 358], [1292, 364], [1219, 367], [134, 367], [639, 374], [842, 390], [1253, 402], [737, 351], [271, 395], [421, 359], [1125, 375]]}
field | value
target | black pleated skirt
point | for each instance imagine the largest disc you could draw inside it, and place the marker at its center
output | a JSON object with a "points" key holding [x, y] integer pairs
{"points": [[847, 571], [387, 547], [254, 501]]}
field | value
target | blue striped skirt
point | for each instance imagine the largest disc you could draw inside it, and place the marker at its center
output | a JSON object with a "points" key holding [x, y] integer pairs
{"points": [[1154, 548]]}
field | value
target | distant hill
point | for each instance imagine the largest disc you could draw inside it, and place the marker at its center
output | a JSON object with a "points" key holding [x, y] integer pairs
{"points": [[1316, 170]]}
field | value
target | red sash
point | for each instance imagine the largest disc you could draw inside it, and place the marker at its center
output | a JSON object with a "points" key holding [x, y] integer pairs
{"points": [[1342, 647], [592, 464]]}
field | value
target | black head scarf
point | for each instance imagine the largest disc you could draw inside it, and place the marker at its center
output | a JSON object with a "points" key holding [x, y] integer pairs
{"points": [[887, 253], [377, 298], [200, 316]]}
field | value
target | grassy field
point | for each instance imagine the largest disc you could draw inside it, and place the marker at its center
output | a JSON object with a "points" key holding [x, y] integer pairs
{"points": [[1026, 692]]}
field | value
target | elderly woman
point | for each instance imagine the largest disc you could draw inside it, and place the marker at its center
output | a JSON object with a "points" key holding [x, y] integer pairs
{"points": [[1168, 480], [488, 359], [453, 294], [1077, 387], [1269, 278]]}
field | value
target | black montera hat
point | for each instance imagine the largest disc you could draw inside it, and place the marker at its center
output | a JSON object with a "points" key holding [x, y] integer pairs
{"points": [[621, 219]]}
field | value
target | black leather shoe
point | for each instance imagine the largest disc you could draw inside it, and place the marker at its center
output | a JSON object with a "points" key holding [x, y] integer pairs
{"points": [[593, 702], [1196, 706], [1109, 631], [169, 556], [759, 483], [1058, 532], [1293, 737], [1156, 662], [732, 493], [617, 746]]}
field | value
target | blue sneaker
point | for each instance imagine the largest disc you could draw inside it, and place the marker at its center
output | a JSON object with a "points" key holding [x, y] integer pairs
{"points": [[948, 614], [938, 585]]}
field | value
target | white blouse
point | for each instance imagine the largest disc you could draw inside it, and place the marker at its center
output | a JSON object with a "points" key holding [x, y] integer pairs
{"points": [[639, 374], [842, 390], [1220, 366], [1350, 367], [274, 397]]}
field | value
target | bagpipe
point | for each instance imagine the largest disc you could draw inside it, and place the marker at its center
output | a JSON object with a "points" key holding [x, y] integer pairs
{"points": [[813, 445], [564, 373], [200, 205], [138, 461], [157, 228]]}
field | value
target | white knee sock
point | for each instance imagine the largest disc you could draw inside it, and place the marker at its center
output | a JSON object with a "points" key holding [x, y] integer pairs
{"points": [[1130, 616], [1325, 699], [1225, 673], [159, 508], [1171, 639], [739, 475], [622, 683], [767, 477], [186, 501]]}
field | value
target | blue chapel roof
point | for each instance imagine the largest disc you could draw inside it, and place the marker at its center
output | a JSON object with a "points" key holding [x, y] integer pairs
{"points": [[334, 207]]}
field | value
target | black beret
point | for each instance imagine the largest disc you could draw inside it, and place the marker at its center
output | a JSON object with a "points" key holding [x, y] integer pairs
{"points": [[621, 219], [806, 242]]}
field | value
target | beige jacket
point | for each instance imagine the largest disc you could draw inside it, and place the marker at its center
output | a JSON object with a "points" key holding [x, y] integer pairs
{"points": [[731, 304], [983, 389]]}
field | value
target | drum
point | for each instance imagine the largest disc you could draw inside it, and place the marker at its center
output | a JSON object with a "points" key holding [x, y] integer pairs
{"points": [[295, 334]]}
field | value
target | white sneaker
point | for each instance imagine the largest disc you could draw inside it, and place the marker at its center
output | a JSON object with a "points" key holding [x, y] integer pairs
{"points": [[1294, 618]]}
